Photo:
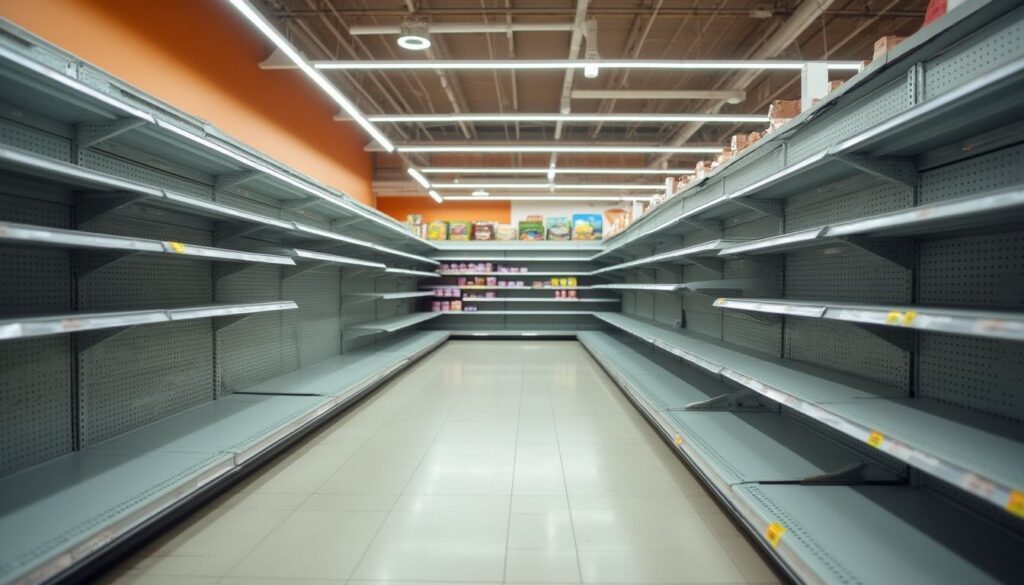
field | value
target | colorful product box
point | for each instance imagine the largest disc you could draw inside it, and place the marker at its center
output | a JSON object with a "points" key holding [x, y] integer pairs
{"points": [[586, 226]]}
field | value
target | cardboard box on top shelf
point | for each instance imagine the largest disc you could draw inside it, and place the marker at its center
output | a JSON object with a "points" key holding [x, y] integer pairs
{"points": [[753, 137], [700, 170], [834, 85], [886, 44], [782, 111], [738, 142]]}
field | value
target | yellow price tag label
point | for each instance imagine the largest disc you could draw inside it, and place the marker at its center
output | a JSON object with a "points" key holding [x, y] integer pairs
{"points": [[678, 440], [1015, 504], [719, 300], [908, 317], [875, 439], [893, 317], [177, 247], [774, 533]]}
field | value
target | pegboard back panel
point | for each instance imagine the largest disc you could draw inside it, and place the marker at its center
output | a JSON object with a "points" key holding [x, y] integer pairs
{"points": [[751, 169], [149, 283], [867, 112], [318, 295], [140, 173], [142, 375], [998, 169], [980, 271], [846, 348], [979, 374], [34, 281], [36, 407], [848, 276], [700, 317], [989, 48], [820, 207], [34, 140]]}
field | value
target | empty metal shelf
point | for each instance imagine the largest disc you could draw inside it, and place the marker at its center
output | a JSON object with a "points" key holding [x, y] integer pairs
{"points": [[322, 258], [19, 328], [682, 256], [394, 323], [529, 300], [515, 313], [992, 324], [978, 453], [408, 272]]}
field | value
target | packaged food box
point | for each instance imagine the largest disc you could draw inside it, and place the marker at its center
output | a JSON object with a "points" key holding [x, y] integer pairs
{"points": [[559, 228], [886, 44], [586, 226], [506, 232], [435, 306], [531, 230], [492, 281], [437, 230], [456, 305], [459, 230], [572, 281], [483, 230]]}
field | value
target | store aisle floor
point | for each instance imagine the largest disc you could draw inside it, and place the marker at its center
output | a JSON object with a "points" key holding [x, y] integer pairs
{"points": [[487, 462]]}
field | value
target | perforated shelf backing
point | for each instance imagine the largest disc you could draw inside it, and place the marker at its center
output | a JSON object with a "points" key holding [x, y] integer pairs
{"points": [[845, 347], [973, 271], [33, 140], [35, 401], [143, 375], [318, 294], [998, 169], [995, 46], [979, 374]]}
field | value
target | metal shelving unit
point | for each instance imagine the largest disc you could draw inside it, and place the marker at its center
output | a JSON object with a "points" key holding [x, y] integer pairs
{"points": [[529, 300], [697, 254], [702, 287], [499, 312]]}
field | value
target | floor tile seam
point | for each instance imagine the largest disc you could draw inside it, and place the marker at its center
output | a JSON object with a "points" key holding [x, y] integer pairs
{"points": [[568, 502], [512, 486], [391, 510]]}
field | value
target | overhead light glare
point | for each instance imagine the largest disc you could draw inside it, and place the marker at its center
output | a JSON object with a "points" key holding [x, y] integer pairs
{"points": [[551, 173], [553, 186], [556, 170], [465, 64], [480, 193], [558, 148], [591, 70], [650, 118], [413, 42], [418, 176], [318, 78], [435, 196], [546, 198]]}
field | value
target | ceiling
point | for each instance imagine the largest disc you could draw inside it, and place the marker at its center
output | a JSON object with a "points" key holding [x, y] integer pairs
{"points": [[626, 29]]}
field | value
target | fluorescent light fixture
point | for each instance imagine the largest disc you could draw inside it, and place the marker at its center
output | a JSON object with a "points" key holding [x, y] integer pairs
{"points": [[654, 118], [466, 64], [550, 170], [492, 185], [414, 42], [318, 78], [435, 196], [546, 198], [556, 148], [591, 70], [480, 193], [419, 177], [534, 186]]}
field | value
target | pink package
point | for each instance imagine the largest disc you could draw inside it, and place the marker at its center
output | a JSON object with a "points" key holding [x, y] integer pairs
{"points": [[462, 281], [520, 284], [446, 306], [492, 281], [457, 293], [572, 294], [490, 267], [435, 306], [491, 294], [463, 267]]}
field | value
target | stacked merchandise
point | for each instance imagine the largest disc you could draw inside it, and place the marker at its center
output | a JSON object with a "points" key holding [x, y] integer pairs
{"points": [[582, 226]]}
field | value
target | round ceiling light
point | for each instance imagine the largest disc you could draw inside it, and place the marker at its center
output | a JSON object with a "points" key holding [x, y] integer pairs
{"points": [[415, 36]]}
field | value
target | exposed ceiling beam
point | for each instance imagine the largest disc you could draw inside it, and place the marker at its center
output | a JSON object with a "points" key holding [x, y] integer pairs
{"points": [[729, 95], [804, 16], [756, 64], [694, 11]]}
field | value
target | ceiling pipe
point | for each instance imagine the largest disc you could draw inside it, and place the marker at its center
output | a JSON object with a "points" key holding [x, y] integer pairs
{"points": [[804, 16], [468, 28]]}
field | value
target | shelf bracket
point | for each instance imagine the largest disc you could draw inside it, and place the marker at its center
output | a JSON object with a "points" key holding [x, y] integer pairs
{"points": [[858, 473], [900, 338], [899, 170], [220, 323], [713, 264], [90, 339], [92, 133], [94, 205], [771, 207], [229, 180], [225, 269], [345, 222], [88, 262], [740, 400], [293, 271], [300, 204], [898, 251], [763, 318], [226, 231], [708, 225]]}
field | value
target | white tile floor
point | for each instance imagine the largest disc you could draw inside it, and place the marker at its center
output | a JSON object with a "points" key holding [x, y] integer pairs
{"points": [[488, 462]]}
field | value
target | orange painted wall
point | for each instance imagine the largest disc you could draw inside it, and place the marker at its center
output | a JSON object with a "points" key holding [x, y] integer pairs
{"points": [[202, 56], [400, 207]]}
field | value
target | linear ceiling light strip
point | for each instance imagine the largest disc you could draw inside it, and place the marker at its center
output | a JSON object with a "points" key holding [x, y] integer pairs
{"points": [[659, 118], [545, 198], [543, 171], [582, 64], [558, 148], [268, 31], [527, 186]]}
